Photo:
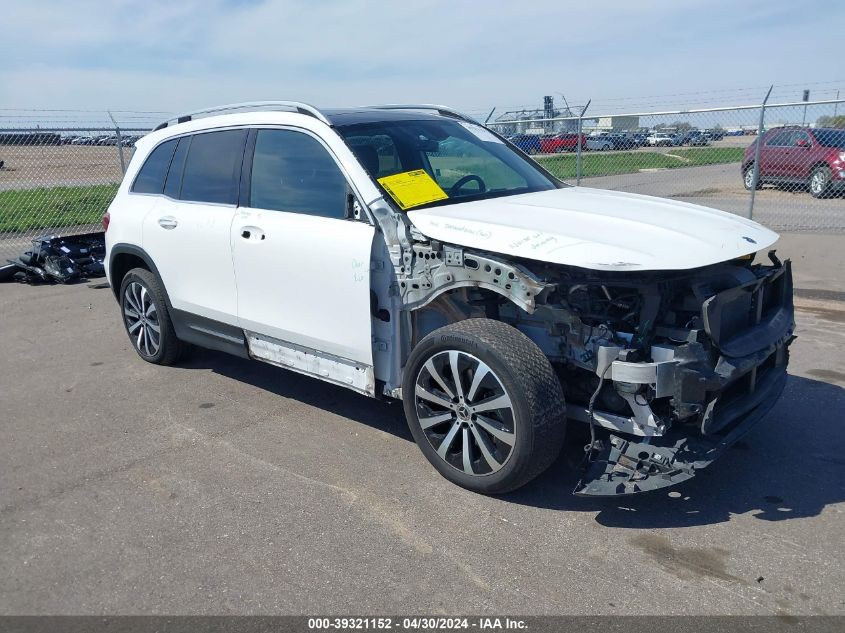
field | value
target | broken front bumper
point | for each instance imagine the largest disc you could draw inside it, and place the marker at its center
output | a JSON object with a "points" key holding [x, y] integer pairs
{"points": [[751, 328]]}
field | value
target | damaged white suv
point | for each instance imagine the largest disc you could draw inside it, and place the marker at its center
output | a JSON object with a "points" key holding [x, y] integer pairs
{"points": [[408, 252]]}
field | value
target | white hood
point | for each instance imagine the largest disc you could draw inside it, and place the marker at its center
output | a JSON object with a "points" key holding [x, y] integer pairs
{"points": [[597, 229]]}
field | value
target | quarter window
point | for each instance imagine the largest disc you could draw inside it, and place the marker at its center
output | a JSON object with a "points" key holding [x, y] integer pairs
{"points": [[174, 175], [292, 171], [151, 176], [212, 167]]}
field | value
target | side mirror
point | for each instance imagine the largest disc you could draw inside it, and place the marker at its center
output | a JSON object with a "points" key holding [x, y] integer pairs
{"points": [[802, 143]]}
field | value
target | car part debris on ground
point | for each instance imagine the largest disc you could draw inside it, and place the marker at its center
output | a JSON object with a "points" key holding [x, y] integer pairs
{"points": [[59, 259]]}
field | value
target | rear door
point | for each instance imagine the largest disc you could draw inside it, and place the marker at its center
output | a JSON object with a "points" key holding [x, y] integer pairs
{"points": [[302, 267], [187, 232]]}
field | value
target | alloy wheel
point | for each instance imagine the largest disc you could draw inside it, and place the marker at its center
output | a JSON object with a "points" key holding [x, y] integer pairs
{"points": [[749, 178], [141, 316], [818, 182], [465, 412]]}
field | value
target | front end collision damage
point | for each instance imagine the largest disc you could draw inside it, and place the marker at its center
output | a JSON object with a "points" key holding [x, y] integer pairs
{"points": [[680, 364]]}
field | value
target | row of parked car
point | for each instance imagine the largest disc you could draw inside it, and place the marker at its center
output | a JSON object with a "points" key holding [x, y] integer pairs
{"points": [[104, 139], [568, 141]]}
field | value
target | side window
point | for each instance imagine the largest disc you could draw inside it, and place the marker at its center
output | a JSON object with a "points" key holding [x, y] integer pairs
{"points": [[779, 139], [150, 178], [212, 167], [292, 171], [801, 138], [174, 175]]}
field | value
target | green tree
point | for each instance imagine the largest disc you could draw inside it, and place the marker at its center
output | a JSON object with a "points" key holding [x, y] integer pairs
{"points": [[831, 121]]}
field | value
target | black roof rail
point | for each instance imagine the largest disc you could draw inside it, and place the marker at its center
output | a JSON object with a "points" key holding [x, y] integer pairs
{"points": [[442, 110]]}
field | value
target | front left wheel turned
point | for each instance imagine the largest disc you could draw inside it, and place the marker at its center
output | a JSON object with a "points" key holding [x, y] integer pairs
{"points": [[484, 405]]}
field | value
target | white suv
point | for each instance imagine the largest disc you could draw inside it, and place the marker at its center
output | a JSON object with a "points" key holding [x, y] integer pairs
{"points": [[408, 252]]}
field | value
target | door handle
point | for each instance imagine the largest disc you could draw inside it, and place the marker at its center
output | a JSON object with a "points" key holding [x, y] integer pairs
{"points": [[252, 233], [168, 222]]}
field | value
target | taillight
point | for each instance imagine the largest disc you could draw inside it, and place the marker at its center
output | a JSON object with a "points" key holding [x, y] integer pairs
{"points": [[106, 219]]}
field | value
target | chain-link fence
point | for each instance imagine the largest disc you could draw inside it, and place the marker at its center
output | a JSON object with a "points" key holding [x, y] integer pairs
{"points": [[796, 182], [60, 171]]}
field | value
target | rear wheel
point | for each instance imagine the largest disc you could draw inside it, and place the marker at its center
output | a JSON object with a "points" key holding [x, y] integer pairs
{"points": [[147, 320], [484, 405], [820, 181]]}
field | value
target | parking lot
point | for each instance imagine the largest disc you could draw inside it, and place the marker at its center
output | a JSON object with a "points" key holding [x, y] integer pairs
{"points": [[225, 486]]}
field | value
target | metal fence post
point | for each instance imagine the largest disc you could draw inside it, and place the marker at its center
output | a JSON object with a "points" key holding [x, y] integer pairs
{"points": [[578, 151], [756, 176], [119, 144]]}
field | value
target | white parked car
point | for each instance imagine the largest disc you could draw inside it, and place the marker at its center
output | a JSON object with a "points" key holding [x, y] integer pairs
{"points": [[407, 252], [659, 139]]}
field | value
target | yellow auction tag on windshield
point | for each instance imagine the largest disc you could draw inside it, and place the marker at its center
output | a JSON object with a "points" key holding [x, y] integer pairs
{"points": [[412, 188]]}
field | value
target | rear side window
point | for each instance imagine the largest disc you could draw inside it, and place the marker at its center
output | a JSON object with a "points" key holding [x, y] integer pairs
{"points": [[150, 178], [212, 167], [292, 171]]}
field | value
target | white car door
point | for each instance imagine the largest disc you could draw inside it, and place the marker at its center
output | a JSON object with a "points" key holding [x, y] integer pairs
{"points": [[187, 232], [302, 268]]}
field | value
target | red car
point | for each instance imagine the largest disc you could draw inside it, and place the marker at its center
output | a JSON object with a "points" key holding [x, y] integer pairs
{"points": [[561, 143], [799, 156]]}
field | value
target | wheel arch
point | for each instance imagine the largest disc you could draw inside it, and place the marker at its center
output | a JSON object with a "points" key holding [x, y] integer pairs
{"points": [[816, 165], [125, 257]]}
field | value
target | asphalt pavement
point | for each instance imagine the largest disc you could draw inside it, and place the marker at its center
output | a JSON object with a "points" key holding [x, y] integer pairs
{"points": [[227, 486]]}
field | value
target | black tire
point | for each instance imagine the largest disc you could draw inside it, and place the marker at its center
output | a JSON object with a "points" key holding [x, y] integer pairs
{"points": [[536, 413], [819, 182], [747, 175], [169, 348]]}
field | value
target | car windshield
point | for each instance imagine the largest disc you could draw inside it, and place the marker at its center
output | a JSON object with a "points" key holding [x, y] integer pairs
{"points": [[831, 138], [465, 161]]}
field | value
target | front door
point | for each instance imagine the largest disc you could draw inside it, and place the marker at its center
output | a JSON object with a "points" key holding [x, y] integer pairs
{"points": [[302, 267], [774, 157]]}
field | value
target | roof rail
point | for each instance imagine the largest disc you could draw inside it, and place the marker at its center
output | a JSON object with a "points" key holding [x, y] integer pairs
{"points": [[296, 106], [445, 111]]}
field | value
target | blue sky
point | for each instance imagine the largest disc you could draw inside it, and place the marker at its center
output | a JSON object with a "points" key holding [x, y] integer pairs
{"points": [[635, 55]]}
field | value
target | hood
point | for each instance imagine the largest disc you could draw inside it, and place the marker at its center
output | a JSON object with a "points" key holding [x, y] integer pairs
{"points": [[596, 229]]}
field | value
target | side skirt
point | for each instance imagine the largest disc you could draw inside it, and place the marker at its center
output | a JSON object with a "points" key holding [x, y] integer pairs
{"points": [[208, 333], [311, 362]]}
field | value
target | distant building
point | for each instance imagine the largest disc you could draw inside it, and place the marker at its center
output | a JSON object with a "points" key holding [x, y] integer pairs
{"points": [[618, 123]]}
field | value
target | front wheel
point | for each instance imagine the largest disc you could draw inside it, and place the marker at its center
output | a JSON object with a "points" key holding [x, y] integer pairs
{"points": [[484, 405], [748, 178], [820, 182]]}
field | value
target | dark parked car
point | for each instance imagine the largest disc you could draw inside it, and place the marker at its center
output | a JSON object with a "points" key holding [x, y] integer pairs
{"points": [[800, 157], [528, 143], [620, 141], [691, 137]]}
